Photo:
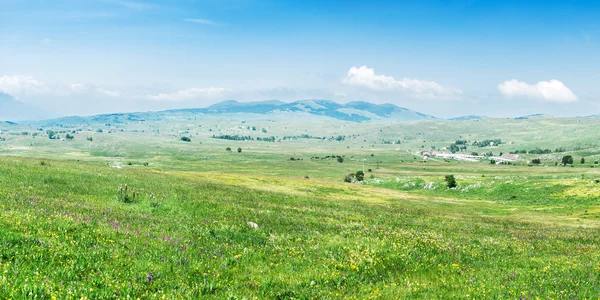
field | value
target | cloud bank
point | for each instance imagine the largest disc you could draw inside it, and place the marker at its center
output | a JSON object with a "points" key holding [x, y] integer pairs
{"points": [[366, 77], [190, 94], [19, 85], [550, 91]]}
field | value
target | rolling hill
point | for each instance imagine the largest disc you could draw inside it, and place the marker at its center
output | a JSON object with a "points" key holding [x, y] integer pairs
{"points": [[322, 109], [13, 110]]}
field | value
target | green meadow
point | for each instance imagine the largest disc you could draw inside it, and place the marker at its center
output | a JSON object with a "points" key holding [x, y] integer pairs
{"points": [[130, 210]]}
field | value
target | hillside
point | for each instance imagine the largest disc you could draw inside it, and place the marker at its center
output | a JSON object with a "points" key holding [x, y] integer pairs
{"points": [[13, 110], [263, 110]]}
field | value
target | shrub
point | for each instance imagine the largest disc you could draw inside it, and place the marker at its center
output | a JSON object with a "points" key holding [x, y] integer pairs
{"points": [[239, 150], [369, 170], [69, 137], [567, 159], [582, 160], [90, 139], [340, 159], [186, 139], [450, 181], [536, 161], [228, 149], [125, 194], [360, 175], [349, 178], [492, 162]]}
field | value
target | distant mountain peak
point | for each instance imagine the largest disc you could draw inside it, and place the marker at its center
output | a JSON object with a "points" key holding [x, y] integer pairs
{"points": [[13, 110], [357, 111]]}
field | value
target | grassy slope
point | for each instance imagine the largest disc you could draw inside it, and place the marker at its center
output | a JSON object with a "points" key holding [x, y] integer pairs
{"points": [[65, 233]]}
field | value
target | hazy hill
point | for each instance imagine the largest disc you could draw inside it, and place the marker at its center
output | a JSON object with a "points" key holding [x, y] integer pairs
{"points": [[534, 116], [13, 110], [354, 112], [468, 118]]}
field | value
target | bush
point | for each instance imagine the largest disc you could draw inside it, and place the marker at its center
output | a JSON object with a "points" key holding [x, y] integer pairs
{"points": [[340, 159], [369, 170], [360, 175], [536, 161], [450, 181], [582, 160], [349, 178], [492, 162], [125, 194], [239, 150], [567, 160], [186, 139], [228, 149], [69, 137], [90, 139]]}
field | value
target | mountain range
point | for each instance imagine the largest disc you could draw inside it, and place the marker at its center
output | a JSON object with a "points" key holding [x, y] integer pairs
{"points": [[305, 110], [357, 111]]}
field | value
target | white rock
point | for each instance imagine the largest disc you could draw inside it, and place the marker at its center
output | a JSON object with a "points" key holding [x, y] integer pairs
{"points": [[252, 225]]}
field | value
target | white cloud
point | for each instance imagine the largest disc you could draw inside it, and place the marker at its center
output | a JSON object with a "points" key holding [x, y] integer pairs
{"points": [[365, 77], [190, 94], [203, 21], [551, 91], [80, 88], [19, 85], [108, 92]]}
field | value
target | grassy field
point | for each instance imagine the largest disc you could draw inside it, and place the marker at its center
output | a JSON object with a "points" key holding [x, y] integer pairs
{"points": [[71, 226]]}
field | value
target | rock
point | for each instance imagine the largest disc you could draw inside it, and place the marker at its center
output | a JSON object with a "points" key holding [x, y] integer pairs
{"points": [[252, 225]]}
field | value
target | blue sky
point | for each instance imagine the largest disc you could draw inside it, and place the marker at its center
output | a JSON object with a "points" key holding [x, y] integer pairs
{"points": [[446, 58]]}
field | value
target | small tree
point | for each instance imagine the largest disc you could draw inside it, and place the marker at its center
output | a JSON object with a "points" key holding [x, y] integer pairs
{"points": [[69, 137], [582, 160], [186, 139], [360, 175], [567, 160], [228, 149], [450, 181], [536, 161], [340, 159], [239, 150]]}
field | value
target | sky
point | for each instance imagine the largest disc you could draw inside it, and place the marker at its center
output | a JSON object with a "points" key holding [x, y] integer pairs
{"points": [[444, 58]]}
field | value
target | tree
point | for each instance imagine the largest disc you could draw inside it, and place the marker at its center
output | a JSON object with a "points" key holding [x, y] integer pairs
{"points": [[360, 175], [69, 137], [340, 159], [454, 148], [239, 150], [228, 148], [51, 134], [567, 160], [186, 139], [536, 161], [582, 160], [450, 181]]}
